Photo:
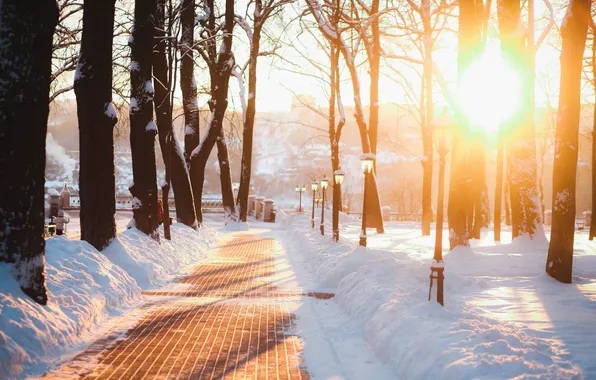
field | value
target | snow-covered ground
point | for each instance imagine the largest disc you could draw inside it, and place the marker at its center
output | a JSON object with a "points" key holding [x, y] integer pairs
{"points": [[503, 317], [89, 292]]}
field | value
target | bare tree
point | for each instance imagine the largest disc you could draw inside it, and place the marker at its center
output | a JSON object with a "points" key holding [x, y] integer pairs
{"points": [[326, 28], [175, 165], [142, 127], [261, 13], [220, 67], [25, 58], [574, 29], [97, 117]]}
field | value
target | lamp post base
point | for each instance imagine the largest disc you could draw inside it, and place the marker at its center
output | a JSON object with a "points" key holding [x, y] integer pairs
{"points": [[363, 241], [335, 235], [322, 230], [312, 223], [436, 282]]}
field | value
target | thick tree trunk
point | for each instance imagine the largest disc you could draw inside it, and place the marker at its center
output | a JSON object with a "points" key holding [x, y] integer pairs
{"points": [[469, 41], [174, 161], [97, 117], [220, 77], [188, 86], [25, 61], [142, 127], [574, 29], [525, 207], [427, 134], [249, 121]]}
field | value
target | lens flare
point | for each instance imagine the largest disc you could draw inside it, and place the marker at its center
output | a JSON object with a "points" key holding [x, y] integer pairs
{"points": [[489, 92]]}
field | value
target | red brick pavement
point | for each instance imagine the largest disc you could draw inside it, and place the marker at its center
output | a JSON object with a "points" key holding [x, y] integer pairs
{"points": [[230, 322]]}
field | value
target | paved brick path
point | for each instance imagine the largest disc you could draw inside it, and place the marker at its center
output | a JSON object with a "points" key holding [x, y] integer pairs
{"points": [[230, 322]]}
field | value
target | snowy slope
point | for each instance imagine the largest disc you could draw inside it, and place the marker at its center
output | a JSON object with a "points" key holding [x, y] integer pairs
{"points": [[503, 318], [87, 289]]}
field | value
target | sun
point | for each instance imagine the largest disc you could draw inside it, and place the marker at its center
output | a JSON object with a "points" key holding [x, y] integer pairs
{"points": [[489, 92]]}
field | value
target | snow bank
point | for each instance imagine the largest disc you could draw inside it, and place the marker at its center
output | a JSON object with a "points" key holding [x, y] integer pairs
{"points": [[385, 292], [151, 263], [86, 289]]}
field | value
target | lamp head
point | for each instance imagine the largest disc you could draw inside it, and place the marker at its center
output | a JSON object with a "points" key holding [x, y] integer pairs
{"points": [[339, 176], [324, 183], [367, 160], [314, 185]]}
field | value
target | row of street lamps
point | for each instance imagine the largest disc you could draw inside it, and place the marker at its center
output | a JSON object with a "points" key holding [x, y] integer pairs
{"points": [[367, 162]]}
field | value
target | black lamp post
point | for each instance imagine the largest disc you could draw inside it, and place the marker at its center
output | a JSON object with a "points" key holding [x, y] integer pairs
{"points": [[367, 161], [314, 185], [338, 176], [437, 267], [300, 190], [324, 184]]}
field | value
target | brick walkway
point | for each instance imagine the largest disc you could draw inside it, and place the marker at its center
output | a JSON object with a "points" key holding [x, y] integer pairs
{"points": [[229, 322]]}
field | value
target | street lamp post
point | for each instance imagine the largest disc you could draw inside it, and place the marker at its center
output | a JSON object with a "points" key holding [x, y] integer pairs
{"points": [[367, 161], [324, 183], [314, 185], [338, 175], [300, 190], [435, 291]]}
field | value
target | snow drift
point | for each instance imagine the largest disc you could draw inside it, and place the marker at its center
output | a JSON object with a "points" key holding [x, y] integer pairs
{"points": [[86, 289], [495, 296]]}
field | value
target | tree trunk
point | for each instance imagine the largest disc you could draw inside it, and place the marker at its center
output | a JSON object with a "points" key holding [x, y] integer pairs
{"points": [[469, 41], [525, 207], [142, 127], [220, 77], [225, 176], [97, 117], [165, 198], [249, 121], [499, 188], [174, 161], [188, 88], [375, 68], [427, 133], [25, 61], [593, 222], [574, 31]]}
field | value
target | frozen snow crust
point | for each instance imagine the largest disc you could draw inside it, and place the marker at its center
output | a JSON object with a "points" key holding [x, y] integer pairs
{"points": [[385, 291], [86, 289]]}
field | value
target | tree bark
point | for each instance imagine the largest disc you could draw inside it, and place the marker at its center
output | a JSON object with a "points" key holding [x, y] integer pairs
{"points": [[220, 77], [97, 118], [225, 175], [525, 207], [499, 188], [469, 41], [173, 157], [574, 29], [188, 87], [249, 121], [25, 69], [142, 127], [593, 222], [427, 133]]}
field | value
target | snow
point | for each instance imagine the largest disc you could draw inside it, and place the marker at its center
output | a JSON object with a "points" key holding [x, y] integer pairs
{"points": [[503, 317], [134, 65], [110, 111], [89, 292], [149, 87], [151, 127]]}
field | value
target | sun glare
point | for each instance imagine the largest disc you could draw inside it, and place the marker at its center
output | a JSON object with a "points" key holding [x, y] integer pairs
{"points": [[489, 92]]}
